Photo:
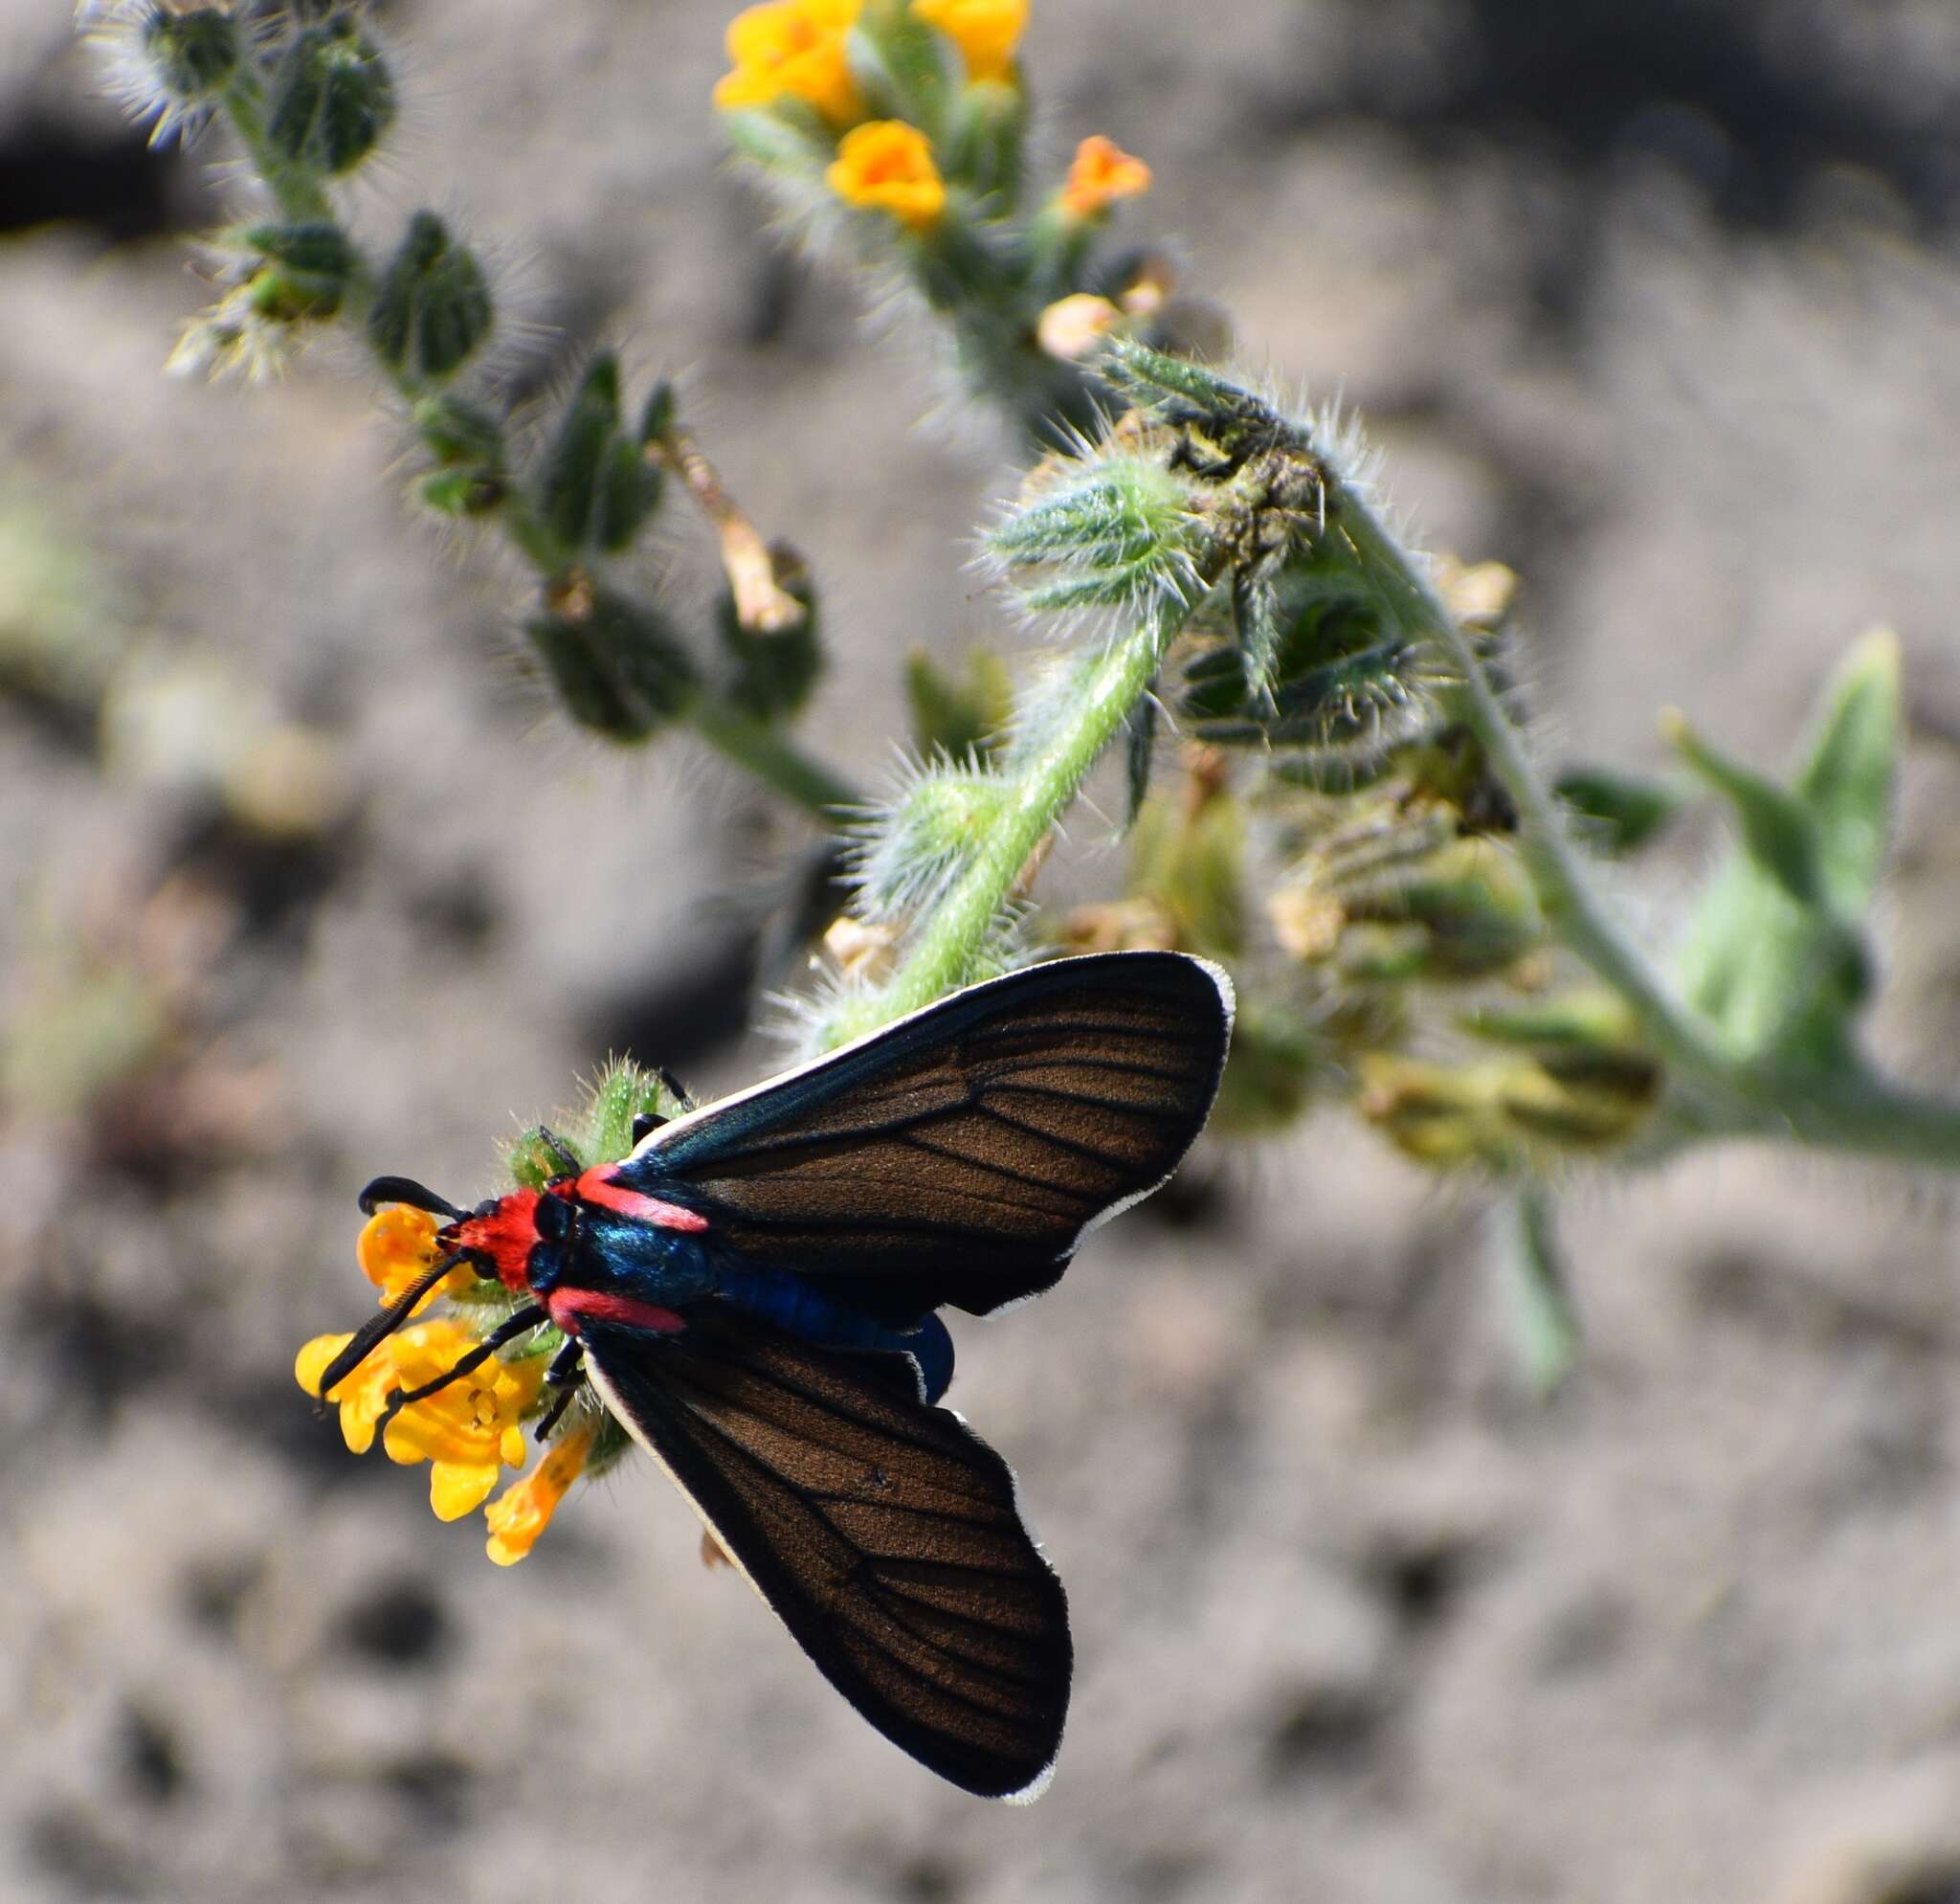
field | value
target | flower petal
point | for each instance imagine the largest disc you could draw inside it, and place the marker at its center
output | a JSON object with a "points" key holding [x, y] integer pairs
{"points": [[456, 1488]]}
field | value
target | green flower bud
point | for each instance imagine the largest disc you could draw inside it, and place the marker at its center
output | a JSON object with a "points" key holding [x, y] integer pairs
{"points": [[463, 492], [960, 718], [1277, 1061], [982, 149], [774, 670], [459, 432], [192, 54], [932, 830], [432, 306], [332, 99], [618, 665], [597, 489], [307, 270], [658, 418]]}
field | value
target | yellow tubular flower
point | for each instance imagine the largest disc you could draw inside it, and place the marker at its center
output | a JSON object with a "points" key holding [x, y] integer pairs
{"points": [[887, 166], [468, 1431], [794, 48], [397, 1247], [987, 31], [523, 1510], [1102, 172]]}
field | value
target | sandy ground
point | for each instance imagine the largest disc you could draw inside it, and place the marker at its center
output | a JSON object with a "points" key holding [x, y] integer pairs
{"points": [[1665, 313]]}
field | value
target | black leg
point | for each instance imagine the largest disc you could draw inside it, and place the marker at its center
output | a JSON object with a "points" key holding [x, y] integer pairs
{"points": [[369, 1336], [520, 1324], [671, 1086], [562, 1379], [562, 1152]]}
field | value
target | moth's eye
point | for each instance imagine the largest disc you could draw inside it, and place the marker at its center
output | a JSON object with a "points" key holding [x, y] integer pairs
{"points": [[553, 1218], [645, 1125]]}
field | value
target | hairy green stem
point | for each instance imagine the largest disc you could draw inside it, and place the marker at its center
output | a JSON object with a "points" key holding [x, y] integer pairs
{"points": [[1585, 920], [298, 191], [1857, 1114], [761, 750], [1044, 770]]}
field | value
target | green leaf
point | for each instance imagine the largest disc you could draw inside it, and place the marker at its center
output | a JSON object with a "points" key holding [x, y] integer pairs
{"points": [[1617, 814], [1848, 782], [1779, 832], [1776, 951]]}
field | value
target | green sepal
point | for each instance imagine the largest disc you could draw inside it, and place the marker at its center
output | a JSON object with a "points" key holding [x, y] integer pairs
{"points": [[1188, 857], [1471, 903], [432, 306], [332, 99], [463, 493], [936, 828], [1617, 814], [619, 667], [306, 271], [772, 671], [191, 54], [623, 1093], [1139, 754], [596, 488], [983, 145], [1545, 1324], [532, 1162], [902, 67], [457, 433], [1586, 1020], [787, 137], [657, 418], [629, 493], [963, 719], [1277, 1063]]}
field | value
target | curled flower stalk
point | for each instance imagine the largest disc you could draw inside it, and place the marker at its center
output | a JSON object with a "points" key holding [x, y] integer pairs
{"points": [[309, 96]]}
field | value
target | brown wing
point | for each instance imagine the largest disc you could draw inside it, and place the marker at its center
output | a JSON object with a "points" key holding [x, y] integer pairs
{"points": [[884, 1535], [959, 1156]]}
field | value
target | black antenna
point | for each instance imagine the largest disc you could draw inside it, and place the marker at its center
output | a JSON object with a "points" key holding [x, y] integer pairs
{"points": [[372, 1333], [406, 1189]]}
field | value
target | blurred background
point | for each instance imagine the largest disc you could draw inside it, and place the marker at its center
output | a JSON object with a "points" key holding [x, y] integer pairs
{"points": [[300, 881]]}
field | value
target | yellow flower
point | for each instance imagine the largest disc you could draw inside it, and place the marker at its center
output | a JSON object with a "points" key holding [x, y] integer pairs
{"points": [[523, 1510], [466, 1432], [793, 47], [1102, 172], [887, 166], [397, 1247], [986, 31]]}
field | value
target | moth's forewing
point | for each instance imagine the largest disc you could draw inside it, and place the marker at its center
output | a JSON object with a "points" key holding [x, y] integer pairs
{"points": [[883, 1533], [959, 1156]]}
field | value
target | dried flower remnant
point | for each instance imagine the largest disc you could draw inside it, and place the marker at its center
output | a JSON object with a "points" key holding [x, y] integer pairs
{"points": [[523, 1510]]}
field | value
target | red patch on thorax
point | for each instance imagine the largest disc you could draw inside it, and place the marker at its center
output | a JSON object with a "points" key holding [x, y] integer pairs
{"points": [[567, 1309], [505, 1237], [598, 1186]]}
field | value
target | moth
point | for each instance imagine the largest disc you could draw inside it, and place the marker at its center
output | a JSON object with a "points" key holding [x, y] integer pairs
{"points": [[754, 1293]]}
